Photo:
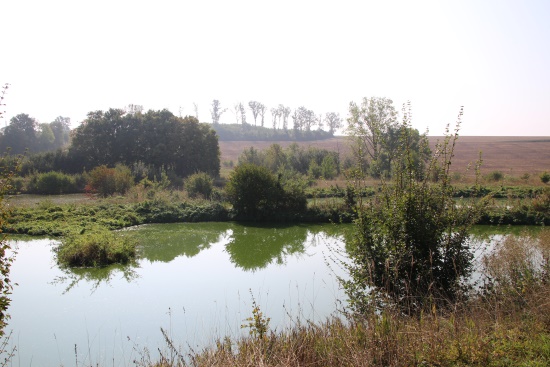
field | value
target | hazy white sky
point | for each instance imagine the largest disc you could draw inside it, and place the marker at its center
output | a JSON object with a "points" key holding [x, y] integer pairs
{"points": [[492, 57]]}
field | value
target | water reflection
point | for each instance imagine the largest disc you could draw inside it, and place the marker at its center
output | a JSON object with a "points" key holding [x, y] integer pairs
{"points": [[95, 277], [254, 247], [165, 242], [250, 247]]}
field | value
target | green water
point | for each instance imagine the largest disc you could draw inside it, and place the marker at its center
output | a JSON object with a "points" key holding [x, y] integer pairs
{"points": [[194, 280]]}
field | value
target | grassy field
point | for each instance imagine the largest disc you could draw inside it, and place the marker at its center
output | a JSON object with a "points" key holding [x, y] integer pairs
{"points": [[513, 156]]}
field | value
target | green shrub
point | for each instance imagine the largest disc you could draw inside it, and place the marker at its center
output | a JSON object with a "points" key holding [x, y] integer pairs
{"points": [[314, 171], [328, 167], [257, 194], [108, 181], [199, 184], [98, 247], [545, 177], [252, 190], [51, 183], [410, 247], [495, 176]]}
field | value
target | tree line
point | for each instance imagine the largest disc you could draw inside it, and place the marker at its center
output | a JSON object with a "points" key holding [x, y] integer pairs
{"points": [[25, 134], [154, 139], [303, 119]]}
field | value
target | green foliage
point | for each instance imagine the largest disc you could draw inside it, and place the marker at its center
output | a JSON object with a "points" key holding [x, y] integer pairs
{"points": [[495, 176], [411, 241], [8, 167], [257, 194], [25, 134], [377, 138], [328, 167], [199, 184], [258, 324], [545, 177], [156, 138], [314, 171], [106, 181], [52, 183], [97, 247], [253, 190], [311, 161]]}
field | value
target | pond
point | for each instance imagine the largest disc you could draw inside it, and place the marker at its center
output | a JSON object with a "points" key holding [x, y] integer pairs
{"points": [[196, 281]]}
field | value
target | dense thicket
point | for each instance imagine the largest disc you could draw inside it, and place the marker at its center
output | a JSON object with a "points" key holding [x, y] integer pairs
{"points": [[315, 163], [257, 194], [158, 138]]}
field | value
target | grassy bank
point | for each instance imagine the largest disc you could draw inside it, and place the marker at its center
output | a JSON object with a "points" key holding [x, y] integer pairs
{"points": [[58, 216], [505, 322]]}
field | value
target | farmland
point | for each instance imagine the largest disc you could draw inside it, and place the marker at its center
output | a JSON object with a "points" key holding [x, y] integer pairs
{"points": [[513, 156]]}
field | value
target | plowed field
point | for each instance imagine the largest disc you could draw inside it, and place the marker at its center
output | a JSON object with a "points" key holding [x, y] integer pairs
{"points": [[512, 155]]}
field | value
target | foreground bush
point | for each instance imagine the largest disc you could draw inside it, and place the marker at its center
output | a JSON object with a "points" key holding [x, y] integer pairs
{"points": [[411, 242], [98, 247]]}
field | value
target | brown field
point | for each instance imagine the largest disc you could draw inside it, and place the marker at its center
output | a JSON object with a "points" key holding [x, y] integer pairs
{"points": [[512, 155]]}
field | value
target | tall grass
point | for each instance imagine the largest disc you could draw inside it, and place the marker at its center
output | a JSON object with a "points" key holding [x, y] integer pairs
{"points": [[505, 323]]}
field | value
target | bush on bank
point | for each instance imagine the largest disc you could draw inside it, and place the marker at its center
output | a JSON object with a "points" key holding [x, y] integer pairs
{"points": [[98, 247]]}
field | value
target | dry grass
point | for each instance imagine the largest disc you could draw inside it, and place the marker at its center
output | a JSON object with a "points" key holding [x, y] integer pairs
{"points": [[505, 324]]}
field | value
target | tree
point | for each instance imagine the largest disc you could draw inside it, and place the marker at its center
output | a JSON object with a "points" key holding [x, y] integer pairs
{"points": [[156, 138], [369, 125], [274, 115], [333, 121], [274, 157], [256, 108], [304, 119], [216, 112], [243, 113], [61, 128], [284, 113], [20, 135], [262, 113], [237, 112], [45, 138], [410, 248]]}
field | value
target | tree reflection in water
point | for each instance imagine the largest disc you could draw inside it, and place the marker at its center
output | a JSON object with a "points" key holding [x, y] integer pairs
{"points": [[95, 276]]}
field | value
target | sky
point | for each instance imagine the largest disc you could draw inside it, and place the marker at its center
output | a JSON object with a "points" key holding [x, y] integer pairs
{"points": [[67, 58]]}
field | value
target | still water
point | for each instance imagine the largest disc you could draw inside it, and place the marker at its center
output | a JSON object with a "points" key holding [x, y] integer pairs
{"points": [[196, 281]]}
